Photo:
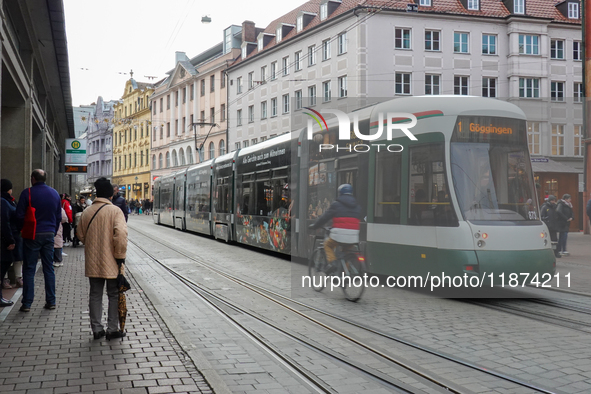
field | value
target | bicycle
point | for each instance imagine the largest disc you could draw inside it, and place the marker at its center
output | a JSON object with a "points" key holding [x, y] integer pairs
{"points": [[350, 264]]}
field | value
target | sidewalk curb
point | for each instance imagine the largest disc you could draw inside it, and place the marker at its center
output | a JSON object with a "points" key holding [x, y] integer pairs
{"points": [[209, 373]]}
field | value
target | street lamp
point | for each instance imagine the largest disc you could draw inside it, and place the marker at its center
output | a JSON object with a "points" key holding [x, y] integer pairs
{"points": [[195, 134]]}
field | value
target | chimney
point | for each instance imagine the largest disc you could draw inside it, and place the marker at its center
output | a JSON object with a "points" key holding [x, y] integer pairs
{"points": [[180, 57], [248, 32]]}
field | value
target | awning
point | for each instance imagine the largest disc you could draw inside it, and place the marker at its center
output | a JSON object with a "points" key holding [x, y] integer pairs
{"points": [[553, 166]]}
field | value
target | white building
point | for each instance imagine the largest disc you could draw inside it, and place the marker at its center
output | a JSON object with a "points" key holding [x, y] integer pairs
{"points": [[99, 141], [527, 51]]}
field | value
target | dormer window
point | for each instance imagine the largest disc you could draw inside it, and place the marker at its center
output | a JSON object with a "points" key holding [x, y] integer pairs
{"points": [[473, 5], [323, 11], [300, 23], [278, 34], [519, 6], [260, 44], [244, 52], [425, 3], [573, 10]]}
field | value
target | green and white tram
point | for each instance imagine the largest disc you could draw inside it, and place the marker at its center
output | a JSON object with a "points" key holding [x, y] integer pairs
{"points": [[460, 199]]}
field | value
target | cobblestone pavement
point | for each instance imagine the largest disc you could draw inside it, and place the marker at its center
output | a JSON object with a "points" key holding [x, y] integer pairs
{"points": [[547, 355], [52, 351]]}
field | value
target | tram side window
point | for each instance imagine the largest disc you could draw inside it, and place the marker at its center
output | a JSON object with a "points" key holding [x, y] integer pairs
{"points": [[388, 186], [264, 194], [222, 203], [429, 198], [203, 197], [281, 196], [246, 201]]}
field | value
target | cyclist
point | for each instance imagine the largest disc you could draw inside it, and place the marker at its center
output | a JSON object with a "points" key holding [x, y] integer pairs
{"points": [[345, 213]]}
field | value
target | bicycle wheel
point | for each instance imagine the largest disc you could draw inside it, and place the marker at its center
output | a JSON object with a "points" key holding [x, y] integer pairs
{"points": [[316, 269], [353, 283]]}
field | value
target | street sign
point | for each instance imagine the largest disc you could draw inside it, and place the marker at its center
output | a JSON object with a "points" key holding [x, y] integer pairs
{"points": [[412, 7], [75, 151], [75, 169]]}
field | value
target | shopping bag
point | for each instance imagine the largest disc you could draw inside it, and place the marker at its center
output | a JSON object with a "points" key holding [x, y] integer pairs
{"points": [[30, 223]]}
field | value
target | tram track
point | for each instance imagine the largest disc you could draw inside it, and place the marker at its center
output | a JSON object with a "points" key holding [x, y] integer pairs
{"points": [[274, 297]]}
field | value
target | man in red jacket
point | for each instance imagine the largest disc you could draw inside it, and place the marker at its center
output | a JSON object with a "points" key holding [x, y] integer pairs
{"points": [[67, 205]]}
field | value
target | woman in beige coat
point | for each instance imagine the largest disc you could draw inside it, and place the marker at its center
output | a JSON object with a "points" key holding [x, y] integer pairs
{"points": [[103, 231]]}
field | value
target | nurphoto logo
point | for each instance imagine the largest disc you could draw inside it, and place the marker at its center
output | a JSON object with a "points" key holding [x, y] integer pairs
{"points": [[393, 121]]}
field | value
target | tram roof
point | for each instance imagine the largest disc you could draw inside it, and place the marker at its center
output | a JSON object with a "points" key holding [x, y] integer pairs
{"points": [[265, 144], [207, 163]]}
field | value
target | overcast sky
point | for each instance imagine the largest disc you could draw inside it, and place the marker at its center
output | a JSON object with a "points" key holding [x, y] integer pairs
{"points": [[109, 37]]}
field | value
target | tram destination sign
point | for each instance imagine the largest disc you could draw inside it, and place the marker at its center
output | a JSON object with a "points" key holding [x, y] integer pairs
{"points": [[489, 129]]}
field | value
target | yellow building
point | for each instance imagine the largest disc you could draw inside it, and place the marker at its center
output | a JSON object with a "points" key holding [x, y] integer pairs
{"points": [[131, 141]]}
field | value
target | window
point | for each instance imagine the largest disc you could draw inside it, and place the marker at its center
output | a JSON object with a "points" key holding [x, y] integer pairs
{"points": [[212, 83], [201, 155], [299, 23], [184, 128], [211, 150], [326, 91], [243, 54], [528, 44], [343, 86], [342, 43], [182, 157], [245, 144], [489, 87], [286, 103], [192, 92], [573, 10], [161, 104], [312, 95], [162, 132], [263, 139], [556, 91], [278, 34], [298, 61], [239, 117], [403, 83], [250, 80], [461, 42], [577, 50], [167, 159], [175, 160], [223, 113], [402, 38], [189, 155], [260, 43], [558, 139], [578, 92], [529, 87], [461, 86], [298, 99], [425, 3], [263, 74], [176, 98], [428, 183], [239, 85], [202, 117], [153, 162], [556, 49], [203, 87], [212, 115], [473, 5], [222, 80], [579, 150], [489, 44], [159, 161], [168, 129], [533, 137], [285, 65], [387, 188], [168, 101], [254, 141], [264, 110], [250, 113], [432, 84], [273, 70], [222, 148], [325, 50], [311, 55], [154, 112], [323, 11], [176, 126], [274, 107], [519, 6], [432, 40]]}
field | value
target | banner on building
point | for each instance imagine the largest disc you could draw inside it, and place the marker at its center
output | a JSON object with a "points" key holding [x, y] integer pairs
{"points": [[75, 156]]}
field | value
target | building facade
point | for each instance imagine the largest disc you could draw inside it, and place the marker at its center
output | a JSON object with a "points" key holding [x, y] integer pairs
{"points": [[189, 109], [99, 141], [131, 140], [526, 51]]}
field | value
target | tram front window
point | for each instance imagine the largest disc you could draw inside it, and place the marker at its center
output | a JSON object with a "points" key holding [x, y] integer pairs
{"points": [[493, 182]]}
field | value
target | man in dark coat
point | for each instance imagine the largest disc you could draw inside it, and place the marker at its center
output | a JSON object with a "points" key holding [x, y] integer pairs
{"points": [[119, 201], [548, 212], [564, 215], [10, 235], [345, 213]]}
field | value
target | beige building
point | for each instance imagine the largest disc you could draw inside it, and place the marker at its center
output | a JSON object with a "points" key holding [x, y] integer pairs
{"points": [[131, 140], [194, 92]]}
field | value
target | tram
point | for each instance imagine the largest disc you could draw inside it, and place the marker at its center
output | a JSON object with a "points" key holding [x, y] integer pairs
{"points": [[457, 199]]}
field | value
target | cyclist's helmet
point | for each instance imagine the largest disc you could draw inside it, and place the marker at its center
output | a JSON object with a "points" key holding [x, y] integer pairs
{"points": [[345, 189]]}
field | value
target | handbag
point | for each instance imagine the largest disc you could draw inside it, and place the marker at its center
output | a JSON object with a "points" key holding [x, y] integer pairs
{"points": [[30, 222]]}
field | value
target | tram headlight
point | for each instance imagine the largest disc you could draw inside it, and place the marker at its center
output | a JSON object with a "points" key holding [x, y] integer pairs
{"points": [[480, 243], [477, 235], [543, 234], [484, 235], [545, 242]]}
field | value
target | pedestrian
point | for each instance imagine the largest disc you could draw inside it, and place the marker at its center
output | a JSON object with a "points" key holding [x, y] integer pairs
{"points": [[548, 212], [58, 243], [77, 211], [9, 233], [103, 231], [48, 216], [564, 215], [16, 254], [67, 205], [119, 201]]}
